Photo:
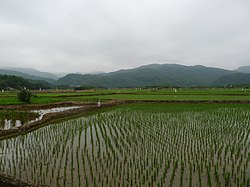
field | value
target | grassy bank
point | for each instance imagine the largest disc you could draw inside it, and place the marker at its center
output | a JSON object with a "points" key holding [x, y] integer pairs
{"points": [[10, 98]]}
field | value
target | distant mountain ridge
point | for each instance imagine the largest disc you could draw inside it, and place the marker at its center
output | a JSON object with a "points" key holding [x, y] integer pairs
{"points": [[14, 82], [244, 69], [34, 72], [154, 75], [233, 79], [26, 76], [143, 76]]}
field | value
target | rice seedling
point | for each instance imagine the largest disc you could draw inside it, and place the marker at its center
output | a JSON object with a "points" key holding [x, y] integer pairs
{"points": [[128, 147]]}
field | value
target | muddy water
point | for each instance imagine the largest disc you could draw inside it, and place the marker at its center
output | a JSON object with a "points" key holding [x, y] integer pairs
{"points": [[51, 110], [12, 124], [127, 148]]}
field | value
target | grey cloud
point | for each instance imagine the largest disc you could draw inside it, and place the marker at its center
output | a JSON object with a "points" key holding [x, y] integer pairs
{"points": [[97, 35]]}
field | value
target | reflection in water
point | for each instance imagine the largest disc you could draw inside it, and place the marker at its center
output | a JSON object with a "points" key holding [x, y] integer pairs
{"points": [[11, 124], [8, 124]]}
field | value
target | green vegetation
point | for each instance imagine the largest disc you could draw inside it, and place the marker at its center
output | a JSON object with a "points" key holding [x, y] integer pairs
{"points": [[30, 74], [8, 82], [130, 94], [153, 75], [25, 96], [150, 75], [134, 144], [160, 75], [237, 78], [137, 145]]}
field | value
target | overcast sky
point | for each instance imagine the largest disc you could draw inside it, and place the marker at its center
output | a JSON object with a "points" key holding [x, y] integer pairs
{"points": [[107, 35]]}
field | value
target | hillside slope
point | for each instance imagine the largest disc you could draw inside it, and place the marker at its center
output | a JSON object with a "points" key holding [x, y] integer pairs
{"points": [[26, 76], [233, 79], [244, 69], [150, 75], [33, 72], [11, 81]]}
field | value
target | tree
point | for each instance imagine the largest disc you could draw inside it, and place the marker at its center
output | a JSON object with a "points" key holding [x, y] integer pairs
{"points": [[25, 96]]}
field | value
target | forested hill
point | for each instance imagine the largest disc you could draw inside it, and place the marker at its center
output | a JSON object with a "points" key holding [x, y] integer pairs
{"points": [[150, 75], [26, 76], [234, 79], [14, 82], [33, 72], [154, 75], [244, 69]]}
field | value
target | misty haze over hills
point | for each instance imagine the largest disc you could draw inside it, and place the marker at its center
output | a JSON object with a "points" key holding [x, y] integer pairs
{"points": [[33, 72], [244, 69], [144, 76], [26, 76]]}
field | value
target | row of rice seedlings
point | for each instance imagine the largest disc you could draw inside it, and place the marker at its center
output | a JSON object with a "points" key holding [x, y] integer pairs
{"points": [[131, 148]]}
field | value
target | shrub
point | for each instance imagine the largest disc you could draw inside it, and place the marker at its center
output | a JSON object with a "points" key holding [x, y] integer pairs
{"points": [[25, 96]]}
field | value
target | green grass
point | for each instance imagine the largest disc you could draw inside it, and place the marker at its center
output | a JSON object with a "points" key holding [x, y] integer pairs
{"points": [[9, 101], [165, 97], [129, 94], [179, 107], [45, 100]]}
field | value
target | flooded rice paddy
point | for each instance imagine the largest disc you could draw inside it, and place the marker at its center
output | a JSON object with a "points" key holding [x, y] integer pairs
{"points": [[11, 124], [126, 147]]}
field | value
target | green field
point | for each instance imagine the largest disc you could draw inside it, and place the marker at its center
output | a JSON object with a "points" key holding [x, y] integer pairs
{"points": [[130, 94], [137, 145], [142, 144]]}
